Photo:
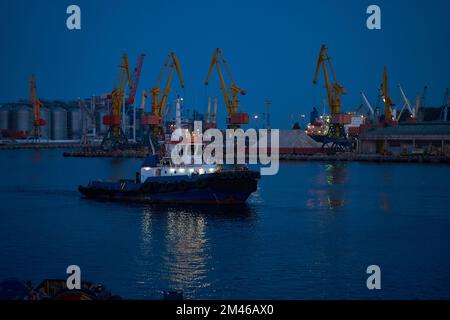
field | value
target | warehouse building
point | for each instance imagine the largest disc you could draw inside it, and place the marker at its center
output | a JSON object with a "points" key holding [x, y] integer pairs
{"points": [[431, 138]]}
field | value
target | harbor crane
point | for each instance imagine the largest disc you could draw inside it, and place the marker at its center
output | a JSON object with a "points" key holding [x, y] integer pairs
{"points": [[115, 137], [136, 76], [235, 118], [159, 98], [407, 104], [336, 133], [367, 103], [36, 104], [389, 117]]}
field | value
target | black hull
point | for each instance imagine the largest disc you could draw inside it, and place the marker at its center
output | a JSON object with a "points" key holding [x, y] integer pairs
{"points": [[217, 188]]}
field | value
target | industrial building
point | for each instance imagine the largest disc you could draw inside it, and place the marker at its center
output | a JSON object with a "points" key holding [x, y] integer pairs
{"points": [[431, 138]]}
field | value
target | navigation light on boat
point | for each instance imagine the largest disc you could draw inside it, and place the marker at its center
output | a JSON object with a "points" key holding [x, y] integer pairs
{"points": [[172, 170], [211, 169], [146, 168], [201, 171]]}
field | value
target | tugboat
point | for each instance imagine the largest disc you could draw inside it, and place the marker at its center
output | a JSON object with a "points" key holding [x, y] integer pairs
{"points": [[160, 181]]}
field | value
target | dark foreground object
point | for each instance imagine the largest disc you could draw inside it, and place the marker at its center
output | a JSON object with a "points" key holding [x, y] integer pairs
{"points": [[53, 289]]}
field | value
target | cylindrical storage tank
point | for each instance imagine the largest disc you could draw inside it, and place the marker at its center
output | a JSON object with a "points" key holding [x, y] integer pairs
{"points": [[22, 118], [99, 114], [59, 124], [4, 118], [46, 130], [74, 123]]}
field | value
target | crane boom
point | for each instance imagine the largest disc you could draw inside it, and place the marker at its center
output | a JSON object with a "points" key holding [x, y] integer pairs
{"points": [[118, 92], [334, 90], [136, 76], [407, 103], [216, 62], [232, 105], [158, 104], [155, 121], [115, 136], [36, 104], [366, 101], [386, 98], [174, 66], [336, 133]]}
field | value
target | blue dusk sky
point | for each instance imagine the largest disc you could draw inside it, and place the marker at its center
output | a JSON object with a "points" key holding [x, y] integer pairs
{"points": [[271, 48]]}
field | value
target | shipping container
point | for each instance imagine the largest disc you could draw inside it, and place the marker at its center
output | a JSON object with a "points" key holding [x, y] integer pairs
{"points": [[341, 118], [150, 120], [239, 118], [110, 120]]}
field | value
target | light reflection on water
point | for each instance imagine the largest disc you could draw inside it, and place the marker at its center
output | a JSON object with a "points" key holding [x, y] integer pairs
{"points": [[186, 253], [328, 189], [187, 249]]}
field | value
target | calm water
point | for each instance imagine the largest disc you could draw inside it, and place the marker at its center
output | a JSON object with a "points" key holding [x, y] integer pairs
{"points": [[308, 233]]}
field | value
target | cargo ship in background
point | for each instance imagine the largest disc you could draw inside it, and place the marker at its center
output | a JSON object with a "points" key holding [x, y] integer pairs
{"points": [[317, 130], [318, 126]]}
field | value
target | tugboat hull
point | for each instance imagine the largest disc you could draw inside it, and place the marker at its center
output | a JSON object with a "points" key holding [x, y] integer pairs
{"points": [[216, 188]]}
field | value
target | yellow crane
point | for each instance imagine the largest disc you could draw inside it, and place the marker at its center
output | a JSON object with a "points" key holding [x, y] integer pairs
{"points": [[388, 116], [159, 96], [115, 136], [235, 119], [214, 116], [334, 91]]}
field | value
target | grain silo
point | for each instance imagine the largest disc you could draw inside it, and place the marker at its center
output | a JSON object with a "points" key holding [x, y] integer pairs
{"points": [[22, 118], [74, 123], [59, 124], [4, 117]]}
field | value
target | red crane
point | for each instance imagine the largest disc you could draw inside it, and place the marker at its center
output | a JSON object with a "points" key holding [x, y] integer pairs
{"points": [[136, 76], [37, 104]]}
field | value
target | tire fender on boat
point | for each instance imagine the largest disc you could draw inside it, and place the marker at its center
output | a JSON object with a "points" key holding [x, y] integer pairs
{"points": [[182, 185], [201, 183]]}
